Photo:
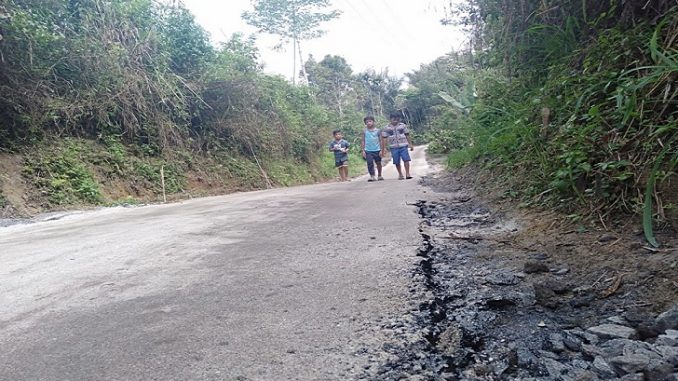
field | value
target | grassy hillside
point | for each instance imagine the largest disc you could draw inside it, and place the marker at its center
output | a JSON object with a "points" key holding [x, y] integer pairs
{"points": [[97, 98], [572, 104]]}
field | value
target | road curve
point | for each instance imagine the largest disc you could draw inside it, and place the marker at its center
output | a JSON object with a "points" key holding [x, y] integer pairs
{"points": [[283, 284]]}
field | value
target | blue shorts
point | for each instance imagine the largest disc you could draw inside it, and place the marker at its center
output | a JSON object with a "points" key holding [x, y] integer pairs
{"points": [[400, 153]]}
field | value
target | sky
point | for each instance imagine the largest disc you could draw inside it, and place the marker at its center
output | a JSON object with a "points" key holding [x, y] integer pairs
{"points": [[399, 35]]}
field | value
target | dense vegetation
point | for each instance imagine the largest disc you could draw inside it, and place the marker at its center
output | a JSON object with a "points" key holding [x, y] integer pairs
{"points": [[574, 100], [94, 93]]}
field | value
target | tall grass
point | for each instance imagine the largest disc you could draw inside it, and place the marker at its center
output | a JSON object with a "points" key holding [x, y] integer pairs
{"points": [[585, 117]]}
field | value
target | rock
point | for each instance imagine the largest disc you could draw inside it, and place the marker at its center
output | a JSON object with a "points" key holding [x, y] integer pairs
{"points": [[532, 267], [547, 354], [669, 338], [576, 331], [582, 290], [449, 341], [612, 331], [619, 347], [582, 301], [658, 371], [591, 338], [485, 318], [583, 375], [539, 256], [640, 348], [498, 302], [667, 320], [512, 358], [602, 368], [647, 331], [629, 364], [635, 317], [483, 369], [572, 343], [562, 271], [667, 353], [558, 286], [633, 377], [606, 238], [526, 359], [616, 320], [581, 364], [502, 279], [591, 351], [545, 296], [554, 368], [555, 343], [569, 322]]}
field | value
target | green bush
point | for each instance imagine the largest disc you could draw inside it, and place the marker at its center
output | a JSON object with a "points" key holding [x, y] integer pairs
{"points": [[603, 134], [60, 173]]}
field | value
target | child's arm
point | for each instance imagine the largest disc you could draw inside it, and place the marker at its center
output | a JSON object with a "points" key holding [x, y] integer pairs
{"points": [[409, 140]]}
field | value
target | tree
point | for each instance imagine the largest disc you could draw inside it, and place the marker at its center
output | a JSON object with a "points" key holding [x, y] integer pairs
{"points": [[380, 91], [332, 78], [291, 20]]}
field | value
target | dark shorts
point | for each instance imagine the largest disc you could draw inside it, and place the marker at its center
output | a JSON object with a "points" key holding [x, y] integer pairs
{"points": [[341, 163], [372, 156], [400, 153]]}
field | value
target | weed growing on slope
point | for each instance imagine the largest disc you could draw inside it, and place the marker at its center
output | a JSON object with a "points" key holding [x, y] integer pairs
{"points": [[61, 174]]}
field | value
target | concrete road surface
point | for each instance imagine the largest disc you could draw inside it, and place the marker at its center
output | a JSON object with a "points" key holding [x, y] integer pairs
{"points": [[284, 284]]}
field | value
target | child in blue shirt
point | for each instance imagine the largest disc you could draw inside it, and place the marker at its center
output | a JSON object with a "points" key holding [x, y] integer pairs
{"points": [[371, 147], [340, 148]]}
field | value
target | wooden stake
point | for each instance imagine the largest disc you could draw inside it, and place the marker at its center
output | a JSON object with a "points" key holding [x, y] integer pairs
{"points": [[162, 181]]}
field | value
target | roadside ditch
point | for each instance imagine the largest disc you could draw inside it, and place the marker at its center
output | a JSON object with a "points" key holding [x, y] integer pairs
{"points": [[490, 308]]}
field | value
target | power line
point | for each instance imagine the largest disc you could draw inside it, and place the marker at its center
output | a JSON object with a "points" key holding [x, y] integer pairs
{"points": [[389, 10], [403, 25], [369, 24]]}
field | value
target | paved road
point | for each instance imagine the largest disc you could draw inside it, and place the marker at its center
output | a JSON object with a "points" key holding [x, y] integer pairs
{"points": [[285, 284]]}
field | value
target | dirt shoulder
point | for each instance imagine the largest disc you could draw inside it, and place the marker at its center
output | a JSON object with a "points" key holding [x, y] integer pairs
{"points": [[613, 260], [513, 293]]}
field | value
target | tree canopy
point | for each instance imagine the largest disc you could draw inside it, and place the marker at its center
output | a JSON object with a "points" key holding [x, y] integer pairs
{"points": [[291, 20]]}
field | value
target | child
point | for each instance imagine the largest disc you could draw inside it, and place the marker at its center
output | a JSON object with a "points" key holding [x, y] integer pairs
{"points": [[397, 137], [371, 147], [340, 148]]}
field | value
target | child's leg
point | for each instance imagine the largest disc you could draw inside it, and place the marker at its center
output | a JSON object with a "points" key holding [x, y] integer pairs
{"points": [[345, 173], [377, 161], [341, 173], [406, 159], [370, 163], [395, 153]]}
